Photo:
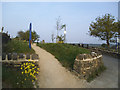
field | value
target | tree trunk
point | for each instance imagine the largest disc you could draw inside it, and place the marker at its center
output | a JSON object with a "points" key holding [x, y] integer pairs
{"points": [[108, 44]]}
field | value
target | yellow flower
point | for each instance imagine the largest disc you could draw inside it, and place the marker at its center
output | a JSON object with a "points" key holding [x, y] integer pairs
{"points": [[25, 71], [22, 72], [37, 68], [32, 80], [35, 78], [26, 63], [31, 74], [25, 78], [21, 67]]}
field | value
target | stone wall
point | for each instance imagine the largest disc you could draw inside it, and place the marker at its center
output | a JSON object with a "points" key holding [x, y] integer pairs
{"points": [[86, 64], [20, 56]]}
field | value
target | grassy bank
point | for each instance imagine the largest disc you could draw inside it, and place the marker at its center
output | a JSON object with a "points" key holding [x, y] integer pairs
{"points": [[65, 53], [17, 46]]}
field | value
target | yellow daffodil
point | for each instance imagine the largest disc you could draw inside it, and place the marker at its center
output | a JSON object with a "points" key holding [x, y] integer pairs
{"points": [[37, 68]]}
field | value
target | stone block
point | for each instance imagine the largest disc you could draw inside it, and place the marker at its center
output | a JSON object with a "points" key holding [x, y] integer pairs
{"points": [[27, 56], [9, 56], [15, 56], [80, 57], [35, 56], [3, 56], [21, 56]]}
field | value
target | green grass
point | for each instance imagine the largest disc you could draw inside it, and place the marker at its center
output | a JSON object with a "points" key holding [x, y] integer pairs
{"points": [[96, 73], [65, 53], [18, 47]]}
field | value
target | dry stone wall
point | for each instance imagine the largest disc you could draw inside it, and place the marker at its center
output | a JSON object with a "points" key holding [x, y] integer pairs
{"points": [[20, 56], [86, 64]]}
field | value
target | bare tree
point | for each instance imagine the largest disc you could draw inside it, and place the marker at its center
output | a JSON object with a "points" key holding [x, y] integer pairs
{"points": [[58, 26], [52, 37]]}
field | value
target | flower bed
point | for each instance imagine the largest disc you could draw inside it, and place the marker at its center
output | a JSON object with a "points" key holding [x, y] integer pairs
{"points": [[21, 75]]}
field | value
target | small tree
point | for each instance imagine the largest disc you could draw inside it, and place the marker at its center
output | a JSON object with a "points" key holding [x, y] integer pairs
{"points": [[103, 28], [25, 35]]}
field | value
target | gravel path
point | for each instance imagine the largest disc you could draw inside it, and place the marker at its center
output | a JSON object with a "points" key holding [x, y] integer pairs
{"points": [[53, 75]]}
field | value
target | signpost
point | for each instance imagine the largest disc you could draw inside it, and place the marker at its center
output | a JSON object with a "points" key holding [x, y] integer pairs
{"points": [[30, 36]]}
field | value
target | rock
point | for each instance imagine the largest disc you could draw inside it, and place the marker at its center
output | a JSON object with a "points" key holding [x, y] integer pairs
{"points": [[14, 56], [80, 57], [9, 56], [35, 56], [93, 54], [21, 56], [3, 56], [27, 56]]}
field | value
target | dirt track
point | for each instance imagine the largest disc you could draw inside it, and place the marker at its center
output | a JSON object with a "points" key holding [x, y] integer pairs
{"points": [[53, 75]]}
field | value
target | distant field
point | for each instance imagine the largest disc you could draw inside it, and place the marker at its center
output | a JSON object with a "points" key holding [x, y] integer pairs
{"points": [[65, 53], [17, 46]]}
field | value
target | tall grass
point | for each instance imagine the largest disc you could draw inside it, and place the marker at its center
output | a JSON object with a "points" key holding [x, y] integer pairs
{"points": [[17, 46], [65, 53]]}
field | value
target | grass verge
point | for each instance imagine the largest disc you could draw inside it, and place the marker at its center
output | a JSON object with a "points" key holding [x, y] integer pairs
{"points": [[65, 53]]}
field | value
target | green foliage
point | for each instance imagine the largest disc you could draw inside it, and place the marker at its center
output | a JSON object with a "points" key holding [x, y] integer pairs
{"points": [[104, 28], [17, 46], [104, 45], [25, 35], [96, 73], [60, 38], [65, 53]]}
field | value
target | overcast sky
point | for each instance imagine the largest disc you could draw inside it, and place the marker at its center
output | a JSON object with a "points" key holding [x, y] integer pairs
{"points": [[77, 16]]}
